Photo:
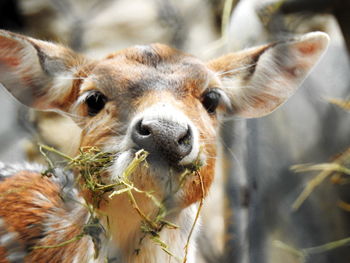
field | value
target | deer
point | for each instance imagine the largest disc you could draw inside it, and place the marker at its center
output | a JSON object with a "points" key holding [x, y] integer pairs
{"points": [[149, 97]]}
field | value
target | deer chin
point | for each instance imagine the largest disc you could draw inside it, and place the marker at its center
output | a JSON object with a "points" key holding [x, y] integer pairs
{"points": [[155, 175]]}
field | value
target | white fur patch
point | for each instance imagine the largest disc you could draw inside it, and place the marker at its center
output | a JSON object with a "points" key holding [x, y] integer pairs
{"points": [[121, 163], [61, 85], [11, 169]]}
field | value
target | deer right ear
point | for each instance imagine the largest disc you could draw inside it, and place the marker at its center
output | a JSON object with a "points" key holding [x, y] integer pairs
{"points": [[258, 80], [38, 73]]}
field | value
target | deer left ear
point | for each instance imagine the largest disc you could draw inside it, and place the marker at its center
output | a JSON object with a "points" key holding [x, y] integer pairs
{"points": [[38, 73], [258, 80]]}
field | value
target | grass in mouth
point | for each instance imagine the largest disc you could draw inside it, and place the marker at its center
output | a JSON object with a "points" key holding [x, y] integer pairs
{"points": [[91, 164]]}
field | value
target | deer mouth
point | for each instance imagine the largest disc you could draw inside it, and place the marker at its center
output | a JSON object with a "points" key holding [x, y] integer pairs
{"points": [[153, 170], [166, 163]]}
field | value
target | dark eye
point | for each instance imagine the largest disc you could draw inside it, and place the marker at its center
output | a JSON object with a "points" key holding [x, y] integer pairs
{"points": [[95, 102], [211, 100]]}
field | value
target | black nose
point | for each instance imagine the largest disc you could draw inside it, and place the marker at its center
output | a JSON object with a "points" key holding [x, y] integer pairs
{"points": [[166, 139]]}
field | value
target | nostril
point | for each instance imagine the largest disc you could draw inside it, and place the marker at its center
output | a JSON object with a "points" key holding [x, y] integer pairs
{"points": [[186, 139], [143, 136], [142, 129]]}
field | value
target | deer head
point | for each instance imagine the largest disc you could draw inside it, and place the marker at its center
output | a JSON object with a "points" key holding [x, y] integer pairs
{"points": [[156, 98]]}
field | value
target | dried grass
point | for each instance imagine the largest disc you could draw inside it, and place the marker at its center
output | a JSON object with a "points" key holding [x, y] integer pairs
{"points": [[305, 253], [344, 104], [337, 167], [336, 171]]}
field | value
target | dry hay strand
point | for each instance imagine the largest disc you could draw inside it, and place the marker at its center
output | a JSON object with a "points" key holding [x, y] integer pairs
{"points": [[344, 104], [196, 217], [304, 254], [338, 166]]}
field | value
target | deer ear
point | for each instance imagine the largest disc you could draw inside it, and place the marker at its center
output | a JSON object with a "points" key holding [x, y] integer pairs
{"points": [[258, 80], [38, 73]]}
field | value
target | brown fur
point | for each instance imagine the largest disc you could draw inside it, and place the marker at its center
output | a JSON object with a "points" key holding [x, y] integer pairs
{"points": [[3, 255], [237, 60], [22, 187], [18, 194]]}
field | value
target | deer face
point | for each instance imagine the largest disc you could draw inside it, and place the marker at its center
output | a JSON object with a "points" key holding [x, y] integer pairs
{"points": [[156, 98]]}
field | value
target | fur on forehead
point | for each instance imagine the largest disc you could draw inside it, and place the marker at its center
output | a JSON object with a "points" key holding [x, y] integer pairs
{"points": [[158, 56], [152, 67], [152, 54]]}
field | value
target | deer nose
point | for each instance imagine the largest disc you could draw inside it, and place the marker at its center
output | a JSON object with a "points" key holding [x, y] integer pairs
{"points": [[164, 138]]}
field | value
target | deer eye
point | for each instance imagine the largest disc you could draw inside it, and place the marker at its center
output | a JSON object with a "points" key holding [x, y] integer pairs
{"points": [[95, 102], [211, 100]]}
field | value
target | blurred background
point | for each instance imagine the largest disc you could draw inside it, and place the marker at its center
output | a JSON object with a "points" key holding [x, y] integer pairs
{"points": [[249, 215]]}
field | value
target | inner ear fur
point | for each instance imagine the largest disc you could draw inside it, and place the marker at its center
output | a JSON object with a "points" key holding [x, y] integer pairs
{"points": [[37, 73]]}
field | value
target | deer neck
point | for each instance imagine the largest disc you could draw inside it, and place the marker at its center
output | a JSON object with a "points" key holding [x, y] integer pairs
{"points": [[124, 224]]}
